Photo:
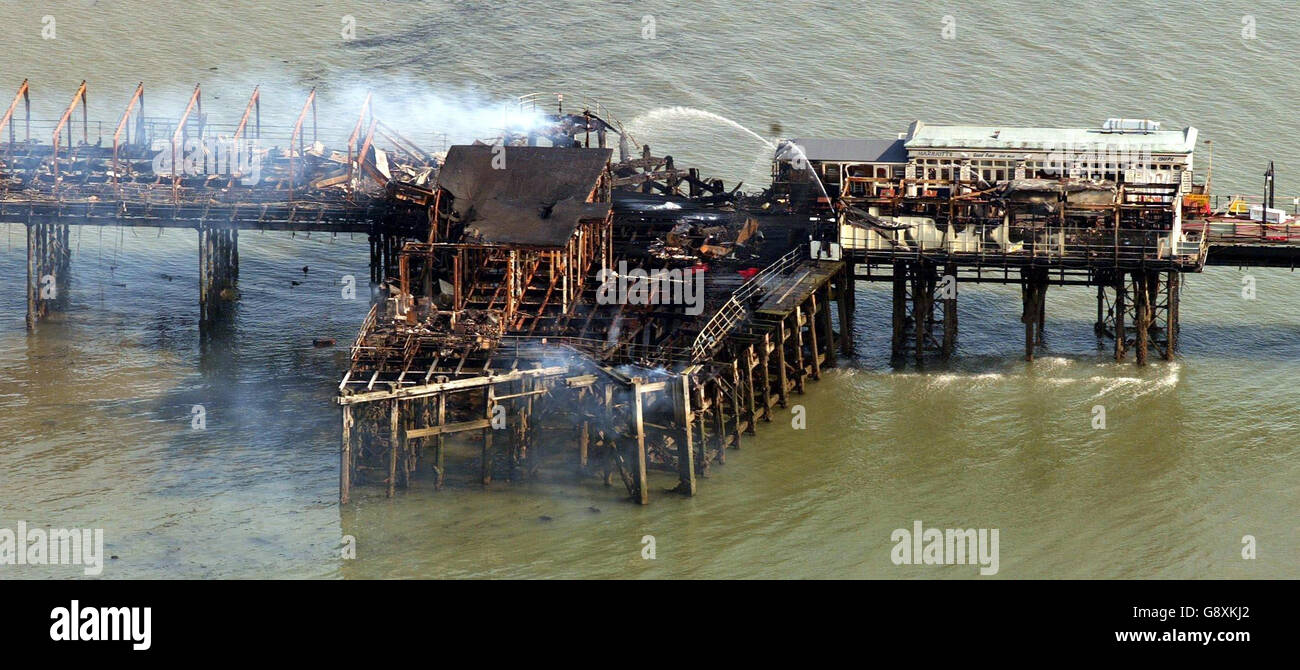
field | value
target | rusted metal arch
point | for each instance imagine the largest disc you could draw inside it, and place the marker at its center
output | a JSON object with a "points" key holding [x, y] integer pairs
{"points": [[401, 142], [365, 148], [297, 135], [352, 142], [138, 96], [196, 99], [79, 96], [25, 95], [254, 108]]}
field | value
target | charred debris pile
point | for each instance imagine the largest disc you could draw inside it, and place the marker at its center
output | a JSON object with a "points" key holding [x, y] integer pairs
{"points": [[644, 316]]}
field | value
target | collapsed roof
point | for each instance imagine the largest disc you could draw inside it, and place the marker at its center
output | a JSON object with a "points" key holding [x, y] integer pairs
{"points": [[532, 196]]}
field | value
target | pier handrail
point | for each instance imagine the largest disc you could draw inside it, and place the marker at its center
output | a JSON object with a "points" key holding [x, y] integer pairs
{"points": [[733, 310], [366, 327]]}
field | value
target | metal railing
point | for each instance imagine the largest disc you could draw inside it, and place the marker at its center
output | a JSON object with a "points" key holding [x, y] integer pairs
{"points": [[554, 102], [733, 311], [1233, 231], [1043, 242]]}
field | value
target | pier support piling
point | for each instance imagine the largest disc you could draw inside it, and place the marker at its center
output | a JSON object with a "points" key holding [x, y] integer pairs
{"points": [[1033, 290], [345, 457], [218, 269], [949, 311], [49, 262], [681, 395]]}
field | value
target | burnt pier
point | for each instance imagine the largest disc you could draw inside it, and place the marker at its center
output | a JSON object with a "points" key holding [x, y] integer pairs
{"points": [[560, 301]]}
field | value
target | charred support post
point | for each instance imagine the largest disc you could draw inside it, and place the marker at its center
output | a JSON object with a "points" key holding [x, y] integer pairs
{"points": [[1099, 326], [1033, 291], [922, 307], [750, 360], [641, 486], [584, 443], [898, 346], [681, 392], [949, 310], [800, 369], [1173, 287], [736, 392], [1121, 337], [719, 424], [345, 457], [49, 261], [394, 444], [783, 381], [767, 376], [844, 295], [489, 407], [218, 267], [1142, 314], [813, 318], [828, 331], [700, 454], [439, 464]]}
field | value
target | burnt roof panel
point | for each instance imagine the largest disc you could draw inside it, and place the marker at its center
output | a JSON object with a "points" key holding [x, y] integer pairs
{"points": [[536, 198]]}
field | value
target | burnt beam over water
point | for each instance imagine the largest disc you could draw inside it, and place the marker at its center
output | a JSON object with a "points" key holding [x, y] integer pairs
{"points": [[208, 177]]}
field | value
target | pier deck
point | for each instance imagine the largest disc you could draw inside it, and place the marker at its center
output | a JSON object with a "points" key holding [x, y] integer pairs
{"points": [[494, 321]]}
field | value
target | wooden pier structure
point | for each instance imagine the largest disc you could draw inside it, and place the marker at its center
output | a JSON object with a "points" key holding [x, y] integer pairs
{"points": [[497, 344], [191, 173]]}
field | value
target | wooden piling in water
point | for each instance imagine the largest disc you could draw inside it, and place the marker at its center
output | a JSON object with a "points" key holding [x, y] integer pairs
{"points": [[393, 444], [681, 395], [750, 401], [765, 363], [485, 468], [783, 381], [345, 457], [440, 444], [642, 494]]}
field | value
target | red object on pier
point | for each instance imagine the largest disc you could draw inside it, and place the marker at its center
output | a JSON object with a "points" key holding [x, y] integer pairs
{"points": [[747, 273]]}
